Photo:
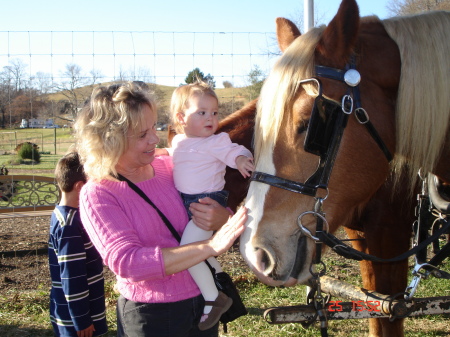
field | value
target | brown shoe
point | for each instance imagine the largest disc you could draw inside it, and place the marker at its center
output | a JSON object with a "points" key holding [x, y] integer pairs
{"points": [[219, 306]]}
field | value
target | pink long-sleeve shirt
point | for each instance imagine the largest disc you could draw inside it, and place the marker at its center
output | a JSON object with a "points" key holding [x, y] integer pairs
{"points": [[200, 162], [129, 234]]}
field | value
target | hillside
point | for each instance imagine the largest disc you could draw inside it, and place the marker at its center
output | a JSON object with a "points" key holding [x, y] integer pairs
{"points": [[230, 99]]}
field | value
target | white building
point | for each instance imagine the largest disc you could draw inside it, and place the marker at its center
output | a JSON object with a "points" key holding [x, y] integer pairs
{"points": [[37, 123]]}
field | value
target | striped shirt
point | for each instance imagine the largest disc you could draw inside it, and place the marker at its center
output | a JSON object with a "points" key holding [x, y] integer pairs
{"points": [[77, 297]]}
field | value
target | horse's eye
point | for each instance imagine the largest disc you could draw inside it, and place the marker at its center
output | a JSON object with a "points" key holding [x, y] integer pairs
{"points": [[303, 126]]}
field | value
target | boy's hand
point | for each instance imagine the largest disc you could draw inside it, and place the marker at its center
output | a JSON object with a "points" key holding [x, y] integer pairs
{"points": [[245, 165], [88, 332]]}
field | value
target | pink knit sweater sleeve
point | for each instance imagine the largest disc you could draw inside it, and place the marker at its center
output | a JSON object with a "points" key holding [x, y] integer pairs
{"points": [[113, 234]]}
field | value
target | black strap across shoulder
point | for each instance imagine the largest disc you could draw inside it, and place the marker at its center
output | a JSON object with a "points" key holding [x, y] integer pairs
{"points": [[161, 214], [146, 198]]}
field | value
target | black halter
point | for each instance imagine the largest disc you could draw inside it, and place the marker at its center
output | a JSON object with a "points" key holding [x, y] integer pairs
{"points": [[325, 129]]}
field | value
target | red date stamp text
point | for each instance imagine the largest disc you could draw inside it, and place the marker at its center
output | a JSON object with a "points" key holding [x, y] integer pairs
{"points": [[356, 306]]}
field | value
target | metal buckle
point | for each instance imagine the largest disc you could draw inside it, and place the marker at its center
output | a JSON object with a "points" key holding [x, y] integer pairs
{"points": [[418, 274], [361, 116], [305, 231], [347, 104]]}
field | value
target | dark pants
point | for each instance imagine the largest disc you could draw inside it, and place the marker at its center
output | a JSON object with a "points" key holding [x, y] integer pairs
{"points": [[176, 319], [220, 196]]}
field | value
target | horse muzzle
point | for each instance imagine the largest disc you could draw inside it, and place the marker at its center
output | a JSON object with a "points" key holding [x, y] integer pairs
{"points": [[278, 264]]}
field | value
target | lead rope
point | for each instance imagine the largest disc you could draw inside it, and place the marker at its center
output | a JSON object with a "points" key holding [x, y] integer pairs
{"points": [[319, 301]]}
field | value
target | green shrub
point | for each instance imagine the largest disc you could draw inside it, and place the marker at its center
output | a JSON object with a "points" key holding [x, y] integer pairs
{"points": [[28, 151]]}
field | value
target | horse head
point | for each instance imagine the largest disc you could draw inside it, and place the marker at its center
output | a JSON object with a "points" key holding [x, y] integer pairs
{"points": [[310, 139]]}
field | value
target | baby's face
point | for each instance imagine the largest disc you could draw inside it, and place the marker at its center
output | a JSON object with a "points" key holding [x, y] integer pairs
{"points": [[201, 119]]}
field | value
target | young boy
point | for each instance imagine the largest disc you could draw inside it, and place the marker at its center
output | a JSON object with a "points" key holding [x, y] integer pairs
{"points": [[77, 300]]}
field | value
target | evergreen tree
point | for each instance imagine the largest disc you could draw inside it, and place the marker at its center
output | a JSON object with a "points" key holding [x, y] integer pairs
{"points": [[197, 74]]}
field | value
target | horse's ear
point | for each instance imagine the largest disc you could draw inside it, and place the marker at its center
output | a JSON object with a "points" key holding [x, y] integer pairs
{"points": [[287, 32], [339, 37]]}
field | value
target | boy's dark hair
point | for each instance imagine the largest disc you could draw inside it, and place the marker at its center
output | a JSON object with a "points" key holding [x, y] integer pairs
{"points": [[69, 171]]}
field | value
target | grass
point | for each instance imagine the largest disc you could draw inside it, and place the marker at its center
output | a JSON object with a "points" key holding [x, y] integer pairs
{"points": [[259, 297], [53, 143], [47, 163], [54, 149], [26, 313]]}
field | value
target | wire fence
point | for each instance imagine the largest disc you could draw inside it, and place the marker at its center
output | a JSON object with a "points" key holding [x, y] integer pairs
{"points": [[38, 64], [159, 57]]}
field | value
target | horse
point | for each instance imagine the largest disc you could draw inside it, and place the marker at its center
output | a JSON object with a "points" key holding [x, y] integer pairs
{"points": [[347, 116], [397, 213]]}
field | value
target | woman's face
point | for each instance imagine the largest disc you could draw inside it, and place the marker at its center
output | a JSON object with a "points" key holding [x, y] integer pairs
{"points": [[141, 142]]}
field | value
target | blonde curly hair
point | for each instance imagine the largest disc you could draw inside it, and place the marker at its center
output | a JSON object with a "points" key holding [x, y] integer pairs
{"points": [[101, 127]]}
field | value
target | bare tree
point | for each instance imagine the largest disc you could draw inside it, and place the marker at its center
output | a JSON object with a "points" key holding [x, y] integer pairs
{"points": [[122, 76], [96, 75], [405, 7], [42, 82], [5, 99], [141, 74], [135, 74], [15, 72], [12, 84], [72, 87]]}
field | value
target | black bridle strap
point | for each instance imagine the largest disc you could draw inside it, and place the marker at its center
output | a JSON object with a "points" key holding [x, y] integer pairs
{"points": [[286, 184], [320, 178], [376, 137], [368, 124], [331, 73], [338, 75]]}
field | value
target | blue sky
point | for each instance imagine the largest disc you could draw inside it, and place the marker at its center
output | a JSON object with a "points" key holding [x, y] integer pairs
{"points": [[23, 21], [164, 15]]}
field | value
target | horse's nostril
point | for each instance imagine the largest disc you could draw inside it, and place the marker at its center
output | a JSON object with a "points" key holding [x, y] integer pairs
{"points": [[265, 259], [264, 262]]}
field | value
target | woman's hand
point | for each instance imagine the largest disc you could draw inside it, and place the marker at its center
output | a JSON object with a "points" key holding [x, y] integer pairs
{"points": [[208, 214], [183, 257], [227, 235]]}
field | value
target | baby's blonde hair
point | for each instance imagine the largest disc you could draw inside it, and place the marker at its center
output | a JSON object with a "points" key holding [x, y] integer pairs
{"points": [[181, 96], [102, 125]]}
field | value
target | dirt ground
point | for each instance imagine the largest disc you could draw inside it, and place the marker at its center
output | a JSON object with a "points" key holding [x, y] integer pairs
{"points": [[23, 257]]}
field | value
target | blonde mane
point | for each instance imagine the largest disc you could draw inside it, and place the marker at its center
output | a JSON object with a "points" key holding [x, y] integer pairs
{"points": [[423, 102], [296, 64]]}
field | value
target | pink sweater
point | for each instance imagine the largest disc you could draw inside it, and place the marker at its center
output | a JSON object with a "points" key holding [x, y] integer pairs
{"points": [[129, 234]]}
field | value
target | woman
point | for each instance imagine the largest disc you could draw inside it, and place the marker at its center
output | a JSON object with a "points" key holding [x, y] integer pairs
{"points": [[116, 136]]}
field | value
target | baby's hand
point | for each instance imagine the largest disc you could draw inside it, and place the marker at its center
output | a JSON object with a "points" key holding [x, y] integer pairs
{"points": [[245, 165]]}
